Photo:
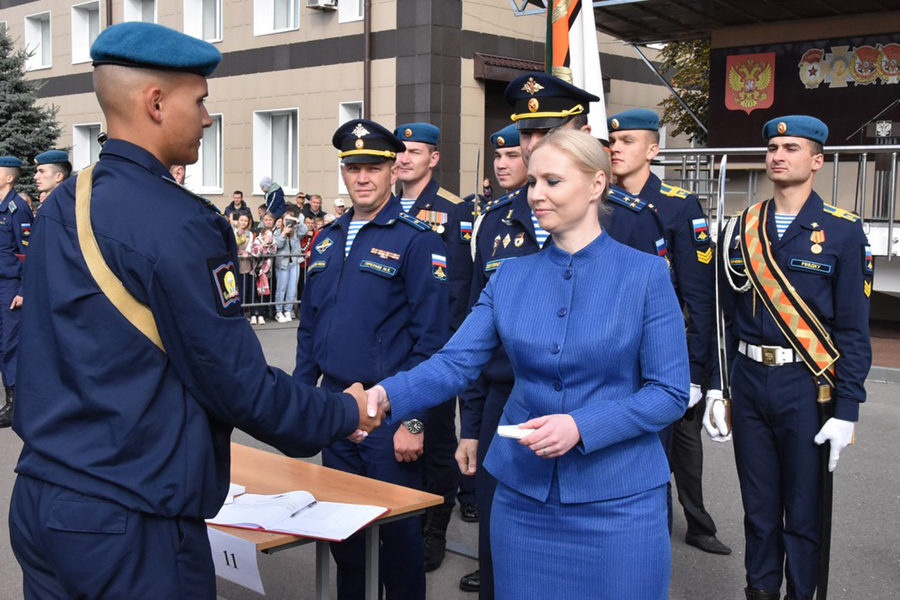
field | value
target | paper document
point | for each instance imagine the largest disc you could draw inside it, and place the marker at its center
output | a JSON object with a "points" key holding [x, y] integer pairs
{"points": [[234, 490], [235, 559], [297, 513]]}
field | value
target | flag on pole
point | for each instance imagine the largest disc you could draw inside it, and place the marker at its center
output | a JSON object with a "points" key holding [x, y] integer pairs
{"points": [[573, 56]]}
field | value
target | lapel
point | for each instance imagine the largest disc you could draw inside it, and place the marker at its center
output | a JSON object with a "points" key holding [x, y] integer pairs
{"points": [[518, 210], [425, 199]]}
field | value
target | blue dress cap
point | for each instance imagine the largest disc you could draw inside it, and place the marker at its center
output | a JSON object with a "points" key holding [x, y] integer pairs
{"points": [[508, 137], [365, 141], [51, 157], [803, 126], [418, 132], [152, 46], [10, 161], [636, 118], [542, 101]]}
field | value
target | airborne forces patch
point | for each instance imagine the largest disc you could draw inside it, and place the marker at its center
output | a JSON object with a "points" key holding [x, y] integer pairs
{"points": [[224, 279]]}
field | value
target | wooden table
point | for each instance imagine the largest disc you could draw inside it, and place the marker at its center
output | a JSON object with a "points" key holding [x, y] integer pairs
{"points": [[267, 473]]}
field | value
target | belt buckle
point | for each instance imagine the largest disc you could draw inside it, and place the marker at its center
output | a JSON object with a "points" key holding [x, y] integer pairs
{"points": [[770, 355]]}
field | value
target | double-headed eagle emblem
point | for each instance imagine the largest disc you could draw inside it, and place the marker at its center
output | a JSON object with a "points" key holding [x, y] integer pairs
{"points": [[749, 81]]}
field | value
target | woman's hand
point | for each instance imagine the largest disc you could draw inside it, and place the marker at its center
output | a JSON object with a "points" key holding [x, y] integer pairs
{"points": [[553, 436]]}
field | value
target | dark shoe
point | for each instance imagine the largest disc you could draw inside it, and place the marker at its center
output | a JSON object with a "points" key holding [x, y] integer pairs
{"points": [[707, 543], [468, 512], [470, 582], [754, 594], [6, 415], [435, 538]]}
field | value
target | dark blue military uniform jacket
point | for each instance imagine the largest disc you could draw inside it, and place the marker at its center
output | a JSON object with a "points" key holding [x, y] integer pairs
{"points": [[381, 310], [15, 232], [100, 408], [835, 284], [435, 201], [635, 223], [691, 255]]}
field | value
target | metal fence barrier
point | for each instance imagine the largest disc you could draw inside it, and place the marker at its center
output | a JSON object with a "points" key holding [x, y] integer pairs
{"points": [[251, 298]]}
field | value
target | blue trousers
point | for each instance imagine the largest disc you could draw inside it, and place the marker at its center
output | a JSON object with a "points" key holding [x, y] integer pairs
{"points": [[775, 418], [75, 546], [9, 330], [402, 568]]}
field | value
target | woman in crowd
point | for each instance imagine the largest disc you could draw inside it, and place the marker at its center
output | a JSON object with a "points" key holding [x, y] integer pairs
{"points": [[597, 344], [287, 266], [263, 249], [243, 235]]}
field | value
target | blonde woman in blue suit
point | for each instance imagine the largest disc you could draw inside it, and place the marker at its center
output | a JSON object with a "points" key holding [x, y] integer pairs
{"points": [[597, 344]]}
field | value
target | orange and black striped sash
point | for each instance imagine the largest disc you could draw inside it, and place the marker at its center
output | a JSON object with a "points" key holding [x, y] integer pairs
{"points": [[797, 322]]}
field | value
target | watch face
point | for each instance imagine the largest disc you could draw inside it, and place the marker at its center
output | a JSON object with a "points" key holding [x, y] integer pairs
{"points": [[414, 425]]}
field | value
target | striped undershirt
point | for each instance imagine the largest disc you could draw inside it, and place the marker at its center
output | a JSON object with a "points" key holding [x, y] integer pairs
{"points": [[782, 222], [539, 233], [352, 230], [407, 204]]}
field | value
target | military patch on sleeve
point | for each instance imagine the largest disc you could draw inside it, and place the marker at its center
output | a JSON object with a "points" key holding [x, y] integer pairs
{"points": [[663, 251], [868, 261], [225, 284], [705, 257], [26, 229], [465, 230], [700, 231], [439, 267]]}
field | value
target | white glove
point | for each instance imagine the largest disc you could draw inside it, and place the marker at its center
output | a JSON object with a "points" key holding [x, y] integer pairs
{"points": [[718, 410], [840, 434], [696, 395]]}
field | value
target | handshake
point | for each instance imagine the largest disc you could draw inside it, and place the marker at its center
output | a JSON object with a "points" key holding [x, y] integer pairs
{"points": [[373, 404]]}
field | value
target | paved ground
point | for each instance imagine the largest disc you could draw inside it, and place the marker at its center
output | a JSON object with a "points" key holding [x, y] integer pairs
{"points": [[866, 546]]}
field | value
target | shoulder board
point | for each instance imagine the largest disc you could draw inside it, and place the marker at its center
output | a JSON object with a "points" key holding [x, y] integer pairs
{"points": [[501, 201], [413, 222], [12, 206], [449, 196], [834, 211], [621, 198], [204, 201], [672, 191]]}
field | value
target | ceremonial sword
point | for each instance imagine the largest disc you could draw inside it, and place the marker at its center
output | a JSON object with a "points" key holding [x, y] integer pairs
{"points": [[720, 314]]}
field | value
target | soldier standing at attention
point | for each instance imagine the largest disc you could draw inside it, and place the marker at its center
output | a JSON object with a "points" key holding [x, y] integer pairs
{"points": [[422, 197], [53, 167], [137, 361], [633, 143], [15, 231], [801, 274]]}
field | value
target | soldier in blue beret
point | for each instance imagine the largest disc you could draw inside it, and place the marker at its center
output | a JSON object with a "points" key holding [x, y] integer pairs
{"points": [[137, 361], [375, 303], [633, 143], [15, 233], [800, 274], [53, 167], [422, 197]]}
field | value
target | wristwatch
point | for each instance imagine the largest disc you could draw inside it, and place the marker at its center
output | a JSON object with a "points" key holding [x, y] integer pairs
{"points": [[414, 426]]}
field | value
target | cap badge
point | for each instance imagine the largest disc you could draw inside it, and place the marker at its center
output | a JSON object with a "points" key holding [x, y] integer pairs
{"points": [[533, 105], [532, 87], [614, 123], [500, 141], [408, 132], [360, 131], [782, 127], [360, 144]]}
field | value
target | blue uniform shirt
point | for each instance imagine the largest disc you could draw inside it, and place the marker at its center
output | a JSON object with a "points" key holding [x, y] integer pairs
{"points": [[380, 310], [835, 283], [15, 232], [691, 254], [100, 408]]}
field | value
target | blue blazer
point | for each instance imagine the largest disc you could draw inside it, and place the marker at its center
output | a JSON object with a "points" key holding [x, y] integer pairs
{"points": [[597, 335]]}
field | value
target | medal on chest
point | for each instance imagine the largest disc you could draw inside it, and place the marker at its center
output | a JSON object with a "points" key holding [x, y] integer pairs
{"points": [[817, 237]]}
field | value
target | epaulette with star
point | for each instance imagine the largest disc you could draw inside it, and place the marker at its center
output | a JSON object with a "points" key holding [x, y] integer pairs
{"points": [[447, 195], [673, 191], [502, 201], [619, 197], [840, 213], [414, 222]]}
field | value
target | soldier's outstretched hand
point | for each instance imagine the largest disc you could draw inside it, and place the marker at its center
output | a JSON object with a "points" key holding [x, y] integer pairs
{"points": [[368, 420]]}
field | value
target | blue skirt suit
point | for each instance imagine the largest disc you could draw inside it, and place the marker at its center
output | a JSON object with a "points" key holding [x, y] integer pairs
{"points": [[597, 335]]}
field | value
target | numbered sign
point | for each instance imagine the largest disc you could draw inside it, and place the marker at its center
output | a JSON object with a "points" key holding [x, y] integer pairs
{"points": [[235, 559]]}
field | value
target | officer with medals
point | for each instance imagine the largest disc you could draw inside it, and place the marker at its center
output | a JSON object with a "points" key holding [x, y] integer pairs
{"points": [[633, 143], [451, 218], [15, 232], [800, 274], [375, 303], [137, 361], [53, 167]]}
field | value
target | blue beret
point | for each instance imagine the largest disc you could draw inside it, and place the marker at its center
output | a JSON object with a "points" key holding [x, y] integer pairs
{"points": [[419, 132], [508, 137], [542, 101], [365, 141], [636, 118], [810, 128], [10, 161], [152, 46], [51, 157]]}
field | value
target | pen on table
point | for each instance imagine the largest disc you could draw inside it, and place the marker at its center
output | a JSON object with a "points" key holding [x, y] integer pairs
{"points": [[310, 505]]}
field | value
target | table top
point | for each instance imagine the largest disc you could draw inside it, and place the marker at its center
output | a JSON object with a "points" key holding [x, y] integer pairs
{"points": [[263, 472]]}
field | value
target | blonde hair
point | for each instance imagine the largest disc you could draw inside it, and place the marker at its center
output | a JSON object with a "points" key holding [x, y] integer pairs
{"points": [[586, 153]]}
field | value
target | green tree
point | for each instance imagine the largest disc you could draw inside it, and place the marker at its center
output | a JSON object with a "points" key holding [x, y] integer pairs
{"points": [[26, 128], [689, 64]]}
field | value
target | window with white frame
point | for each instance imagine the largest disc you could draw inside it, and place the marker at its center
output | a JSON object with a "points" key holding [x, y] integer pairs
{"points": [[205, 175], [203, 19], [275, 16], [140, 10], [37, 41], [275, 147], [3, 27], [85, 29], [85, 147], [350, 10], [347, 111]]}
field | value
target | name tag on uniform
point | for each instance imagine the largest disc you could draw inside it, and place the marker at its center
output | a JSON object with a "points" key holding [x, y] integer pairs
{"points": [[317, 266], [811, 266], [493, 265], [378, 268]]}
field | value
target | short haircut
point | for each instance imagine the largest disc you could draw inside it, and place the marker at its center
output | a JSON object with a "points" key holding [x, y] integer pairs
{"points": [[16, 172], [238, 192], [262, 206], [816, 147], [64, 167], [580, 120], [585, 152], [315, 196]]}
